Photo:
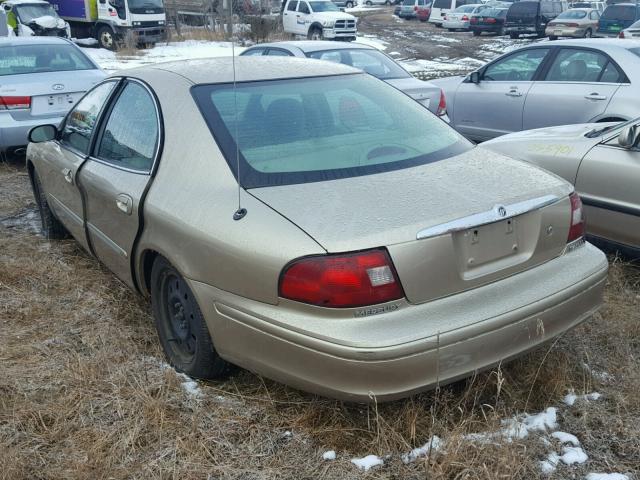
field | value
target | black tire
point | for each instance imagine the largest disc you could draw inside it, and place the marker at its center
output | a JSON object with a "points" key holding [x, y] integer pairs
{"points": [[368, 3], [438, 25], [349, 4], [588, 33], [552, 37], [182, 330], [106, 38], [476, 33], [315, 33], [52, 229], [514, 36]]}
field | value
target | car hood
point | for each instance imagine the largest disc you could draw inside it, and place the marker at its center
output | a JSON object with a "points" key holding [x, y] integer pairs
{"points": [[558, 149], [336, 16], [390, 208]]}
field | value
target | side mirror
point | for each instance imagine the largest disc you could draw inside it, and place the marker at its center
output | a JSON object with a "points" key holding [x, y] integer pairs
{"points": [[474, 77], [43, 133], [629, 137]]}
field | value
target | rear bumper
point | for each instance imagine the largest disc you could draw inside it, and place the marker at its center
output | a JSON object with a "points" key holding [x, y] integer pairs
{"points": [[393, 355], [565, 31], [485, 28], [15, 133], [455, 24], [525, 30], [600, 33]]}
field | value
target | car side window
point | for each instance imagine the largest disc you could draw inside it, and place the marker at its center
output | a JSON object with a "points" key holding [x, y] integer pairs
{"points": [[520, 66], [276, 52], [572, 65], [611, 74], [254, 52], [292, 6], [303, 7], [78, 128], [594, 15], [131, 133]]}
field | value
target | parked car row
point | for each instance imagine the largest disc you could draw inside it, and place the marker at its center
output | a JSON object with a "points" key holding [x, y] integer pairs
{"points": [[551, 18], [402, 218]]}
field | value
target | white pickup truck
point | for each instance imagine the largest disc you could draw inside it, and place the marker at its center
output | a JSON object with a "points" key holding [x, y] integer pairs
{"points": [[317, 20]]}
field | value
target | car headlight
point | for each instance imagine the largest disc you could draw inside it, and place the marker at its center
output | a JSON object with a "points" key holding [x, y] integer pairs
{"points": [[328, 23], [135, 24], [161, 22]]}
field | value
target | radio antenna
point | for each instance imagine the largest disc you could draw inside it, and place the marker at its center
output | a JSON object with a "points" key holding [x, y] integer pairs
{"points": [[240, 212]]}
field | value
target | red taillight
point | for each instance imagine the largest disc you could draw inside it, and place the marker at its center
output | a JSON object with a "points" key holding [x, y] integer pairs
{"points": [[621, 35], [341, 281], [473, 20], [465, 18], [442, 105], [576, 231], [571, 24], [490, 20], [15, 103]]}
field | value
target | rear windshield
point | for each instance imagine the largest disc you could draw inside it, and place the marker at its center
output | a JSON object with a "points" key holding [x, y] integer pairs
{"points": [[494, 12], [572, 15], [322, 128], [619, 12], [371, 61], [442, 4], [518, 8], [20, 59]]}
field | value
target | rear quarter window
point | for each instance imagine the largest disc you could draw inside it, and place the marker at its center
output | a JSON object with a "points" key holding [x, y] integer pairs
{"points": [[620, 12]]}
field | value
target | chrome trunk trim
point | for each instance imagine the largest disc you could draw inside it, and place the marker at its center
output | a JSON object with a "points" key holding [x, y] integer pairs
{"points": [[495, 214]]}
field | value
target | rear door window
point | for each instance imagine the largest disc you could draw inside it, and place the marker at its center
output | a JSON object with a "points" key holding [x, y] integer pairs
{"points": [[131, 133], [620, 12], [520, 66], [574, 65], [81, 121]]}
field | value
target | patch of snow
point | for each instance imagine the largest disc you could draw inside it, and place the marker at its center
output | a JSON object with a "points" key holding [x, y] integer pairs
{"points": [[571, 398], [564, 437], [287, 434], [602, 376], [190, 386], [189, 49], [395, 53], [85, 42], [571, 455], [361, 8], [434, 444], [606, 476], [329, 455], [368, 462], [549, 465]]}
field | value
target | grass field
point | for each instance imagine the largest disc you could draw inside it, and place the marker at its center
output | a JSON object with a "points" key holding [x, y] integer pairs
{"points": [[85, 392]]}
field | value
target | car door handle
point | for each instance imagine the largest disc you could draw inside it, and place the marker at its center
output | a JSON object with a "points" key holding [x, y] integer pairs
{"points": [[595, 96], [68, 175], [124, 203], [513, 93]]}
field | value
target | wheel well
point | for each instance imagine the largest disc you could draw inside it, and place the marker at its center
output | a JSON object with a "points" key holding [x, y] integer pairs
{"points": [[315, 26], [30, 170], [148, 257]]}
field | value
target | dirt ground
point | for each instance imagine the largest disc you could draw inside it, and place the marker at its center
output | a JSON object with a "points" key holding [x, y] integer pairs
{"points": [[85, 392], [446, 53]]}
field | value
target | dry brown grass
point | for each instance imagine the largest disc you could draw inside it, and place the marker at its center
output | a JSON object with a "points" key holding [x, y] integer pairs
{"points": [[84, 393]]}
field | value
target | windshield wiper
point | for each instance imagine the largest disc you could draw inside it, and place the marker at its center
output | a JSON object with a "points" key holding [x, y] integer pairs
{"points": [[596, 132]]}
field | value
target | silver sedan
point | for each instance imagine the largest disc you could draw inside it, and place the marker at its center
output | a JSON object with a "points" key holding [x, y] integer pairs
{"points": [[363, 57], [547, 84], [41, 78]]}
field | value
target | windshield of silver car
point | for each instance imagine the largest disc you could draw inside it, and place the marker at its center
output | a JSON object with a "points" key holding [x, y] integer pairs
{"points": [[322, 128], [22, 59]]}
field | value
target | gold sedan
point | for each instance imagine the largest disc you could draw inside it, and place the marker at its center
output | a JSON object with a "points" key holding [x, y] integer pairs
{"points": [[315, 225]]}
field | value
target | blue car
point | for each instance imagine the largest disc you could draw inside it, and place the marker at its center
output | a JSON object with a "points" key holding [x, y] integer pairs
{"points": [[617, 17]]}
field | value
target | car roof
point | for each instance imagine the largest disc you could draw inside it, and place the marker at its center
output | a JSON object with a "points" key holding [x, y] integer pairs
{"points": [[308, 46], [11, 41], [248, 69], [23, 2], [598, 43]]}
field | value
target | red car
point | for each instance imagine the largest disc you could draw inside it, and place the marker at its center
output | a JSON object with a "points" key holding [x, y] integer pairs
{"points": [[423, 13]]}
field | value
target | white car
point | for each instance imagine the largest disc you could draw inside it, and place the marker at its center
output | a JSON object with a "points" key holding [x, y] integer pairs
{"points": [[460, 17], [631, 32], [317, 20]]}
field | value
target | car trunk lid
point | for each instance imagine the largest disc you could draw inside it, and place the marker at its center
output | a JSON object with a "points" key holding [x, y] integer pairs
{"points": [[424, 92], [409, 211], [52, 94]]}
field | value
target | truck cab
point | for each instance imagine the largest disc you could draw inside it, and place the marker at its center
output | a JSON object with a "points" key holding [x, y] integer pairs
{"points": [[112, 22], [28, 18], [318, 20]]}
